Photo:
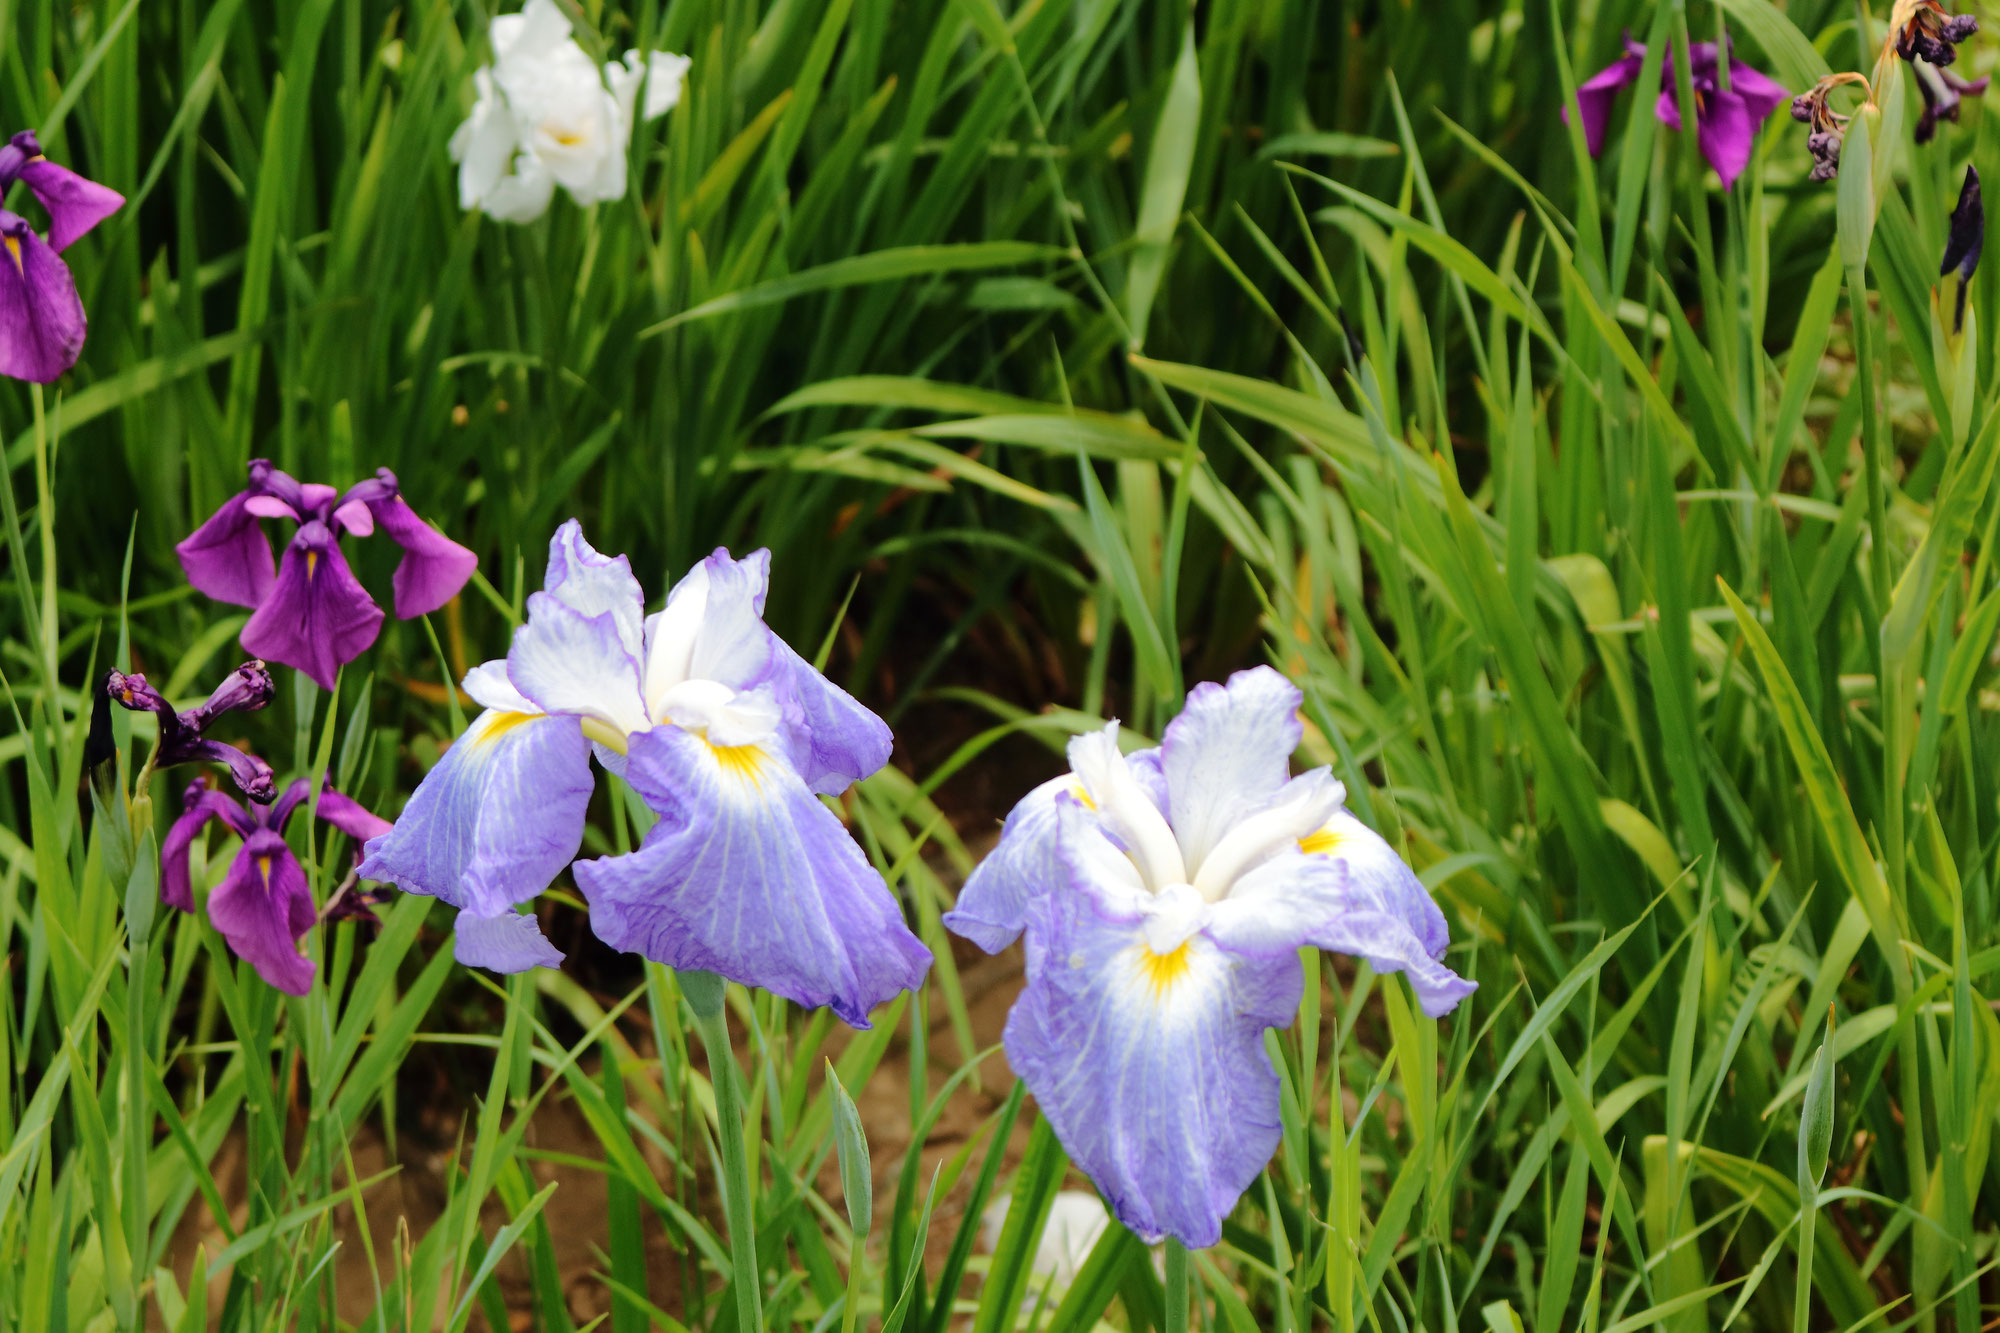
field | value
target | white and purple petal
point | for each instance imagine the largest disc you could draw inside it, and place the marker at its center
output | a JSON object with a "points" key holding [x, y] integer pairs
{"points": [[593, 585], [749, 875], [1227, 755], [577, 663], [498, 818], [1150, 1067], [992, 908], [509, 941]]}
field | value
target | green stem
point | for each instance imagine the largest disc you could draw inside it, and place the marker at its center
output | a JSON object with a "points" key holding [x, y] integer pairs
{"points": [[704, 991], [1177, 1286], [45, 501], [1875, 466]]}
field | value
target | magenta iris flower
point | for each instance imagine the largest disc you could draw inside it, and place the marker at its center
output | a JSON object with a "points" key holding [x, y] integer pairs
{"points": [[727, 734], [1165, 895], [1726, 123], [310, 611], [41, 318], [263, 906], [181, 741]]}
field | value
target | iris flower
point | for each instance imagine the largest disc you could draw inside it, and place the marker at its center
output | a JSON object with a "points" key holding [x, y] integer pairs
{"points": [[1726, 123], [310, 612], [41, 317], [724, 731], [1165, 895], [263, 905], [548, 116], [247, 689]]}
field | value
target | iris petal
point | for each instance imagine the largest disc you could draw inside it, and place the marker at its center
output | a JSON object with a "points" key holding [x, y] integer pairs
{"points": [[74, 204], [199, 806], [496, 820], [747, 874], [1227, 755], [509, 942], [318, 617], [568, 662], [992, 908], [228, 558], [433, 567], [1151, 1067], [42, 323], [263, 907]]}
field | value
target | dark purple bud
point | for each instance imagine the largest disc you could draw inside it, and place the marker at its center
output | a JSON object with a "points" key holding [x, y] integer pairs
{"points": [[132, 692], [1968, 231], [351, 902], [181, 741], [1802, 107], [1959, 27]]}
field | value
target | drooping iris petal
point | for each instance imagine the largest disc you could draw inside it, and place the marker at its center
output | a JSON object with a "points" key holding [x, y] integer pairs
{"points": [[350, 816], [318, 617], [42, 323], [199, 805], [508, 942], [1596, 94], [74, 204], [992, 908], [262, 907], [228, 558], [1348, 906], [498, 818], [747, 874], [433, 567], [1227, 754], [251, 774], [834, 740], [1150, 1067], [1761, 95], [1382, 875]]}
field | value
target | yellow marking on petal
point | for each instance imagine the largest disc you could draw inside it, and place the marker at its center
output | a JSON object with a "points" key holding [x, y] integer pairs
{"points": [[1076, 790], [13, 249], [503, 723], [312, 563], [1328, 839], [1162, 970], [264, 871], [742, 762]]}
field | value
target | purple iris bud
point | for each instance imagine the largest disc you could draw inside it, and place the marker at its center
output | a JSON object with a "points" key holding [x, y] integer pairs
{"points": [[310, 611], [263, 906], [1932, 34], [1962, 247], [730, 736], [1726, 123], [1164, 896], [247, 689], [42, 323]]}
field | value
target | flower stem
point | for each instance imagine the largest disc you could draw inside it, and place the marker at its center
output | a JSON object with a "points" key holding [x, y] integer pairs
{"points": [[1177, 1286], [704, 991], [45, 516]]}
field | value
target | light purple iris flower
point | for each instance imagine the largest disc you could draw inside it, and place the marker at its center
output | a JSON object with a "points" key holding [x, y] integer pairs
{"points": [[263, 906], [41, 317], [310, 610], [1726, 123], [1165, 895], [728, 735], [180, 741]]}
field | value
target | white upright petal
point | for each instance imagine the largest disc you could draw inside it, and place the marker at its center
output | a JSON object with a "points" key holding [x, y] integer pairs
{"points": [[1227, 755], [574, 664], [1127, 811], [712, 627], [594, 584], [1303, 806], [666, 75], [489, 687]]}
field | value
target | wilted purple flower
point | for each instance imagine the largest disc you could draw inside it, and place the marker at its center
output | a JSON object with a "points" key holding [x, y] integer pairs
{"points": [[1165, 895], [311, 612], [1726, 123], [247, 689], [1929, 32], [263, 905], [729, 735], [41, 318], [1828, 129], [1942, 91]]}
